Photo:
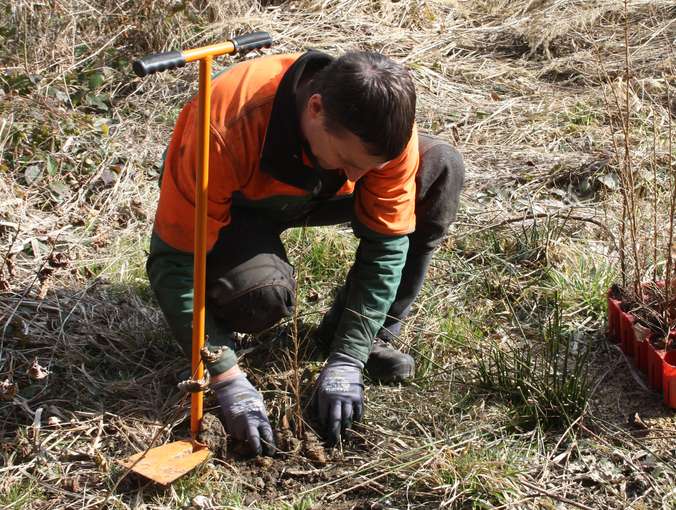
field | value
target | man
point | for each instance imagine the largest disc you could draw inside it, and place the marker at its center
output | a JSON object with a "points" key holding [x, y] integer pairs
{"points": [[304, 140]]}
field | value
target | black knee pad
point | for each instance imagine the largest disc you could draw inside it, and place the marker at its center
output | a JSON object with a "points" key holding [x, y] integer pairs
{"points": [[253, 295]]}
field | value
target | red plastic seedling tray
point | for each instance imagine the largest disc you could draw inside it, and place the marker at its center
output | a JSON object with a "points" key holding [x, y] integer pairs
{"points": [[658, 365]]}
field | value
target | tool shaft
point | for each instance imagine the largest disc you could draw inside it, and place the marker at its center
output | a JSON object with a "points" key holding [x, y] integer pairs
{"points": [[200, 258]]}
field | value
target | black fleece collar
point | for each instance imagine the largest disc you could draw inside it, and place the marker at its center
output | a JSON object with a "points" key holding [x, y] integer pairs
{"points": [[282, 154]]}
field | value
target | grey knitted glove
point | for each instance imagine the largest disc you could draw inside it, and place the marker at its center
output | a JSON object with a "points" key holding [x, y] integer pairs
{"points": [[245, 416], [339, 395]]}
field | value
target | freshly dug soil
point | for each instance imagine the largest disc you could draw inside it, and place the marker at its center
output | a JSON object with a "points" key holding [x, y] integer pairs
{"points": [[214, 436]]}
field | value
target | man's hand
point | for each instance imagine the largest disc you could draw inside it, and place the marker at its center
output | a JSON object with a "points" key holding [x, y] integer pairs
{"points": [[339, 395], [244, 412]]}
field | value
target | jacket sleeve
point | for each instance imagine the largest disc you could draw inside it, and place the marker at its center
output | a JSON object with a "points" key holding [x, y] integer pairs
{"points": [[384, 216], [370, 290], [170, 272]]}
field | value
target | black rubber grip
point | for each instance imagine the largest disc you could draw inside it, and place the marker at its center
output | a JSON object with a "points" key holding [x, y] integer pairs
{"points": [[252, 41], [158, 62]]}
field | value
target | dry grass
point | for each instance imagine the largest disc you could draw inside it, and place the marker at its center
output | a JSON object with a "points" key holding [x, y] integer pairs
{"points": [[517, 86]]}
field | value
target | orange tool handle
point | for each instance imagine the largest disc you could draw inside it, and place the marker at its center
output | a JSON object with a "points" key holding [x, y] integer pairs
{"points": [[200, 258], [158, 62], [161, 62]]}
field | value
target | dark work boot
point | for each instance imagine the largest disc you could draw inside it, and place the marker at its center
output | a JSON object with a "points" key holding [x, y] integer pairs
{"points": [[389, 365]]}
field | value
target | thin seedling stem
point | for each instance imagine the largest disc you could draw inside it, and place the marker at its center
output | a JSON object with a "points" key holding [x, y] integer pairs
{"points": [[672, 214], [623, 182], [654, 168], [295, 369], [627, 167]]}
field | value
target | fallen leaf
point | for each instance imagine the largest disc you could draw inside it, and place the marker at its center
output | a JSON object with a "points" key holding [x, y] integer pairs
{"points": [[636, 422], [8, 389], [108, 177], [37, 372], [456, 133], [32, 174], [52, 410], [193, 385], [610, 181], [58, 260], [43, 289], [9, 262], [60, 190], [53, 421], [641, 333], [71, 484]]}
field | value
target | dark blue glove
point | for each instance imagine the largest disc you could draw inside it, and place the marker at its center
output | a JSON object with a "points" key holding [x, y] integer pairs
{"points": [[339, 395], [245, 416]]}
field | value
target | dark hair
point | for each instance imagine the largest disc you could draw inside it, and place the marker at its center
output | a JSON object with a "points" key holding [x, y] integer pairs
{"points": [[370, 96]]}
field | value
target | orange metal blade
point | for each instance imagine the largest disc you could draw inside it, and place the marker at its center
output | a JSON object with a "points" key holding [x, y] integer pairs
{"points": [[168, 462]]}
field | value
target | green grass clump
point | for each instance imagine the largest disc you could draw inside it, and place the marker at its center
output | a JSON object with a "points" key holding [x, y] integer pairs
{"points": [[302, 503], [21, 494], [582, 284], [457, 333], [459, 330], [481, 477], [320, 255], [547, 383]]}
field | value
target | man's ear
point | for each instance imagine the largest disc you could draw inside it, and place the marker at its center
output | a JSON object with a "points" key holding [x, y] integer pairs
{"points": [[315, 107]]}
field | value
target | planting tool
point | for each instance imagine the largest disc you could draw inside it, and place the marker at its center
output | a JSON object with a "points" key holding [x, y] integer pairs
{"points": [[166, 463]]}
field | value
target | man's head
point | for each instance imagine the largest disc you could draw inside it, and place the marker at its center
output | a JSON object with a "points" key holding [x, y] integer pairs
{"points": [[359, 112]]}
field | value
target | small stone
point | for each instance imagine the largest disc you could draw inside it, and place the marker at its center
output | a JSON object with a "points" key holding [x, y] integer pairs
{"points": [[313, 449], [264, 462], [202, 502]]}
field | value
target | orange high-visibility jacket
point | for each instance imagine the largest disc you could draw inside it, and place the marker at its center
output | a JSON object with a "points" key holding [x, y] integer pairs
{"points": [[256, 153]]}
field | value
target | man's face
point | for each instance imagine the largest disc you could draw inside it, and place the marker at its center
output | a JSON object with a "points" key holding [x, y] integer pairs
{"points": [[344, 151]]}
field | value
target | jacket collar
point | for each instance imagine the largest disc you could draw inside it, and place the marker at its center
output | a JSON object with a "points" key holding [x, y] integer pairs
{"points": [[282, 154]]}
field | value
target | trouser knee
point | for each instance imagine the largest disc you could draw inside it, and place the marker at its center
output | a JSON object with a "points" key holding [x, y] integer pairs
{"points": [[253, 295], [438, 185]]}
